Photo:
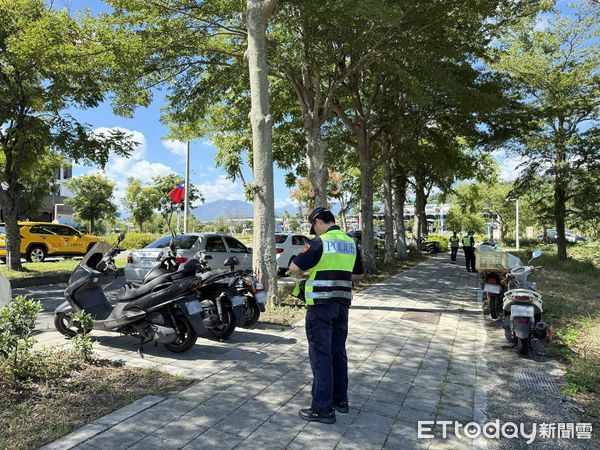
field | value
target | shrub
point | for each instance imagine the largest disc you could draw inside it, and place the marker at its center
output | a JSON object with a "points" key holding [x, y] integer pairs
{"points": [[17, 321], [133, 241], [82, 342]]}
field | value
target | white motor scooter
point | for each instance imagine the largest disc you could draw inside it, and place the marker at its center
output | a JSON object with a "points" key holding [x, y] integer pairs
{"points": [[523, 308]]}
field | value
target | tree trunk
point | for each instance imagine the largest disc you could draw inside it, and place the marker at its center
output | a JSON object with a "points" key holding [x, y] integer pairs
{"points": [[399, 200], [315, 159], [366, 206], [261, 121], [419, 208], [559, 217], [388, 214], [10, 206], [91, 226]]}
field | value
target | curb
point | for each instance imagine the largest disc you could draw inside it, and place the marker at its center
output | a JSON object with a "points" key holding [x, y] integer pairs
{"points": [[43, 280]]}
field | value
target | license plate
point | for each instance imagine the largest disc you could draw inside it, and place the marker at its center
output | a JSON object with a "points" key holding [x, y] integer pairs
{"points": [[521, 311], [261, 297], [193, 307], [147, 263], [493, 288]]}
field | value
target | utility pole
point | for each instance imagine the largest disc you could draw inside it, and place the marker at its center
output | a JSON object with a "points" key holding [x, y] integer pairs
{"points": [[186, 204]]}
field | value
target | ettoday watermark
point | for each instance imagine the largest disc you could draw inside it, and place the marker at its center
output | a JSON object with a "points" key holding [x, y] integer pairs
{"points": [[506, 430]]}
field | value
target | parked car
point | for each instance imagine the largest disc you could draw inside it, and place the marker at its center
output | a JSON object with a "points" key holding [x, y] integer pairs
{"points": [[287, 247], [357, 235], [569, 235], [216, 248], [42, 239]]}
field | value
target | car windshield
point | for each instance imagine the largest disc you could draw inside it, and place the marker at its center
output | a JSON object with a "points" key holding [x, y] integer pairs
{"points": [[280, 238], [184, 241]]}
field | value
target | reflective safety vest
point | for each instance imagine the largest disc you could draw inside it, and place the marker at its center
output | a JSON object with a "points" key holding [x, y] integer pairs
{"points": [[467, 241], [454, 241], [332, 276]]}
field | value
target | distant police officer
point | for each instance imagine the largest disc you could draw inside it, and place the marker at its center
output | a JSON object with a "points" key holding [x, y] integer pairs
{"points": [[334, 262], [454, 244], [469, 248]]}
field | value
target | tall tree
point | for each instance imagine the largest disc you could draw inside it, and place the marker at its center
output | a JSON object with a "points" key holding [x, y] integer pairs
{"points": [[556, 70], [92, 199], [256, 17], [49, 62], [139, 201]]}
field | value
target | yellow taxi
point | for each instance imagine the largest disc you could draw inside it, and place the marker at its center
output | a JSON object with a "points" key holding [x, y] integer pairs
{"points": [[42, 239]]}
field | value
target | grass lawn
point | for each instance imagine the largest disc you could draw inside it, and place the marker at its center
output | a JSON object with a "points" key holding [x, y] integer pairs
{"points": [[36, 412], [49, 267], [571, 293]]}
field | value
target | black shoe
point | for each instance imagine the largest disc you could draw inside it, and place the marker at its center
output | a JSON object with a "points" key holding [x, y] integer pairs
{"points": [[474, 271], [310, 416], [468, 270], [341, 407]]}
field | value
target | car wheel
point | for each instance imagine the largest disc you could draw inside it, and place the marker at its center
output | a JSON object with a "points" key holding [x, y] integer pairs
{"points": [[36, 253]]}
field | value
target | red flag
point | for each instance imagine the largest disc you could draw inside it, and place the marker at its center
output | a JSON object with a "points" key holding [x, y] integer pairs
{"points": [[178, 193]]}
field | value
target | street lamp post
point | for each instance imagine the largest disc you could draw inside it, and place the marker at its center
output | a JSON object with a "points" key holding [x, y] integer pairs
{"points": [[186, 205], [56, 205]]}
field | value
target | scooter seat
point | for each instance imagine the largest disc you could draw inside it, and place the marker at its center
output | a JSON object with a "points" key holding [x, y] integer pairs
{"points": [[131, 291]]}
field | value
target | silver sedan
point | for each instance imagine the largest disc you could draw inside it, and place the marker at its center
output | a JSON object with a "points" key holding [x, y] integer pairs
{"points": [[216, 248]]}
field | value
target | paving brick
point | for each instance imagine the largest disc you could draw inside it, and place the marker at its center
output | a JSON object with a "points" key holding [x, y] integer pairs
{"points": [[214, 440], [239, 423]]}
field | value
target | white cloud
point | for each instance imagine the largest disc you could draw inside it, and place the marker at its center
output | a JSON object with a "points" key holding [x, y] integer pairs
{"points": [[121, 168], [222, 189], [509, 165], [286, 203], [176, 147]]}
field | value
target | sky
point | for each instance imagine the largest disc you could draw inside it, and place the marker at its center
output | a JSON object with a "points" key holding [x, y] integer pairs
{"points": [[156, 156]]}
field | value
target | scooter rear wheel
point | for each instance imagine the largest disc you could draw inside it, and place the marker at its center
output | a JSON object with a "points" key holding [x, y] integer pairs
{"points": [[186, 339], [226, 328], [522, 345]]}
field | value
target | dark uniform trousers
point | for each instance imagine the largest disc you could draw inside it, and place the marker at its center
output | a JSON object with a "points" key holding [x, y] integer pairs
{"points": [[470, 258], [454, 251], [326, 330]]}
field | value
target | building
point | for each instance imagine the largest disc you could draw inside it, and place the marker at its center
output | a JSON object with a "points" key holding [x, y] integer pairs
{"points": [[53, 207]]}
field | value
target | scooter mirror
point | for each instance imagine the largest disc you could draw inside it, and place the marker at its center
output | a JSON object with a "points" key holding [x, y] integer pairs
{"points": [[5, 291], [536, 254], [121, 238]]}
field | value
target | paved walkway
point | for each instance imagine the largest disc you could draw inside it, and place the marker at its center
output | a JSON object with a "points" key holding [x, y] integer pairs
{"points": [[414, 350]]}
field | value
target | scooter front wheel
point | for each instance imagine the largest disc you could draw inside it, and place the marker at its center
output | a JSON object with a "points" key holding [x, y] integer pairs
{"points": [[186, 338], [251, 314], [65, 326]]}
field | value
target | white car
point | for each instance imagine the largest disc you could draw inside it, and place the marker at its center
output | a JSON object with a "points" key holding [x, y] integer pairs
{"points": [[215, 247], [287, 247]]}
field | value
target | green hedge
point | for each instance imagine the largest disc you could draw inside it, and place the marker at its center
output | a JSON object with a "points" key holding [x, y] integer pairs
{"points": [[443, 241], [133, 241]]}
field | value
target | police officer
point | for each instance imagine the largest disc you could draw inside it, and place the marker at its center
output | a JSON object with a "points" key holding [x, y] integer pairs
{"points": [[454, 244], [469, 249], [333, 262]]}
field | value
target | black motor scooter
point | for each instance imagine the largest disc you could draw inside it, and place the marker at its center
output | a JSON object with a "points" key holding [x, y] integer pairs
{"points": [[164, 308]]}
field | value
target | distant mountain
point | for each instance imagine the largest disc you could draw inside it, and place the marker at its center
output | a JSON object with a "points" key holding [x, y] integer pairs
{"points": [[236, 208]]}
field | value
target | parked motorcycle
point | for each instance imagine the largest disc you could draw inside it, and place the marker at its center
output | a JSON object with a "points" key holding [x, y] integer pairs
{"points": [[241, 289], [523, 308], [431, 247], [164, 308], [494, 292]]}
